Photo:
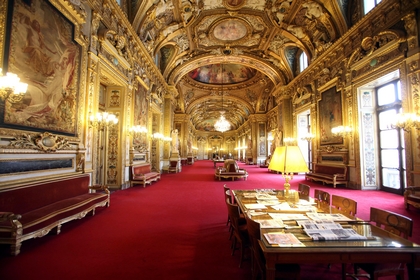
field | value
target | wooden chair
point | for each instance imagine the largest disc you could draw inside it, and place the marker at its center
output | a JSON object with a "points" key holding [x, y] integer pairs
{"points": [[344, 205], [323, 200], [397, 224], [240, 232], [227, 195], [286, 271], [347, 207], [304, 191]]}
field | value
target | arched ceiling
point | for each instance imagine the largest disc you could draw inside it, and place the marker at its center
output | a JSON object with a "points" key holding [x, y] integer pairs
{"points": [[229, 55]]}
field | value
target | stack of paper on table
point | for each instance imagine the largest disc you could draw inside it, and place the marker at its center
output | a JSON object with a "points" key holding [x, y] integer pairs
{"points": [[288, 216], [328, 217], [270, 223], [265, 196], [285, 207], [251, 206]]}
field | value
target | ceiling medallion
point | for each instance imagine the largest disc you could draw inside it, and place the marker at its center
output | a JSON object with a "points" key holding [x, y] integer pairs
{"points": [[233, 4], [230, 30]]}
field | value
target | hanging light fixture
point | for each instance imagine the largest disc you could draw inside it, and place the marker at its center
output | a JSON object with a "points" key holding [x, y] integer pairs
{"points": [[222, 124]]}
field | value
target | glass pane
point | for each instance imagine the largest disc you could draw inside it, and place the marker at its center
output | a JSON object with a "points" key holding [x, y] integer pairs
{"points": [[390, 158], [368, 5], [389, 139], [386, 118], [399, 90], [386, 95], [391, 178]]}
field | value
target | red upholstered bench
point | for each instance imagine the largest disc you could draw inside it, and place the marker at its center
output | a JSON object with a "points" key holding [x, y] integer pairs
{"points": [[32, 210], [329, 174], [142, 174]]}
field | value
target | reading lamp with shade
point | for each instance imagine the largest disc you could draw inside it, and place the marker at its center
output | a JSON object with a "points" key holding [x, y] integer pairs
{"points": [[288, 160]]}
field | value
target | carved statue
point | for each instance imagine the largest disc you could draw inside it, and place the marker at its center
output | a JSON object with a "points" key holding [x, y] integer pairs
{"points": [[174, 135]]}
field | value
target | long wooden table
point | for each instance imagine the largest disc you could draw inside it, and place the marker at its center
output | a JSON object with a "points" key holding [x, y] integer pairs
{"points": [[380, 247]]}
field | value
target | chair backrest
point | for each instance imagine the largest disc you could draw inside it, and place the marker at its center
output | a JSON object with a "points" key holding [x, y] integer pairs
{"points": [[345, 205], [322, 198], [254, 234], [304, 191], [234, 215], [231, 165], [227, 193], [392, 222]]}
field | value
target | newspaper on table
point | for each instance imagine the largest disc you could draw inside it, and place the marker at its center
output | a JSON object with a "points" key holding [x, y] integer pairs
{"points": [[255, 206], [288, 216], [283, 239], [310, 224], [270, 223], [341, 234], [265, 196], [328, 217], [268, 202]]}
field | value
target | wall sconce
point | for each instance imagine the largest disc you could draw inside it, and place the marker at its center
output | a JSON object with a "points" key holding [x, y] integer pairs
{"points": [[308, 137], [157, 136], [342, 131], [137, 130], [160, 137], [11, 87], [102, 120], [406, 121]]}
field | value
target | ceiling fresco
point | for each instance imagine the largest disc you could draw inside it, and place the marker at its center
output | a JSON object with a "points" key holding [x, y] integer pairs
{"points": [[257, 42], [222, 74]]}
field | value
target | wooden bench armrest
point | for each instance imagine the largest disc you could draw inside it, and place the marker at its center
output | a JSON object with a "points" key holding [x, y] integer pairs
{"points": [[100, 188], [9, 216]]}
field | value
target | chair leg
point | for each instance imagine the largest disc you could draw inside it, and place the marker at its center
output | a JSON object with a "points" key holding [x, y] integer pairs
{"points": [[233, 245]]}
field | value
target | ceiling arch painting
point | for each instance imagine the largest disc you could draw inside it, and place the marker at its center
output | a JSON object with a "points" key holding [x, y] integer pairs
{"points": [[222, 74], [257, 42]]}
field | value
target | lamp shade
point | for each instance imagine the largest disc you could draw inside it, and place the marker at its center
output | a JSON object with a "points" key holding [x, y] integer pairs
{"points": [[288, 159]]}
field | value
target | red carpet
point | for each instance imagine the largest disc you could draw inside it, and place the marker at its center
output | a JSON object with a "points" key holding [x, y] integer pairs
{"points": [[173, 229]]}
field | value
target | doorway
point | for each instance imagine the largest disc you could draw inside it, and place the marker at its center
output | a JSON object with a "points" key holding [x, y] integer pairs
{"points": [[391, 140], [382, 151]]}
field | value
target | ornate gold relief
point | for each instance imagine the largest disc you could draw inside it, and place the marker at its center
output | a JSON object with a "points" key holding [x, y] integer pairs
{"points": [[46, 142]]}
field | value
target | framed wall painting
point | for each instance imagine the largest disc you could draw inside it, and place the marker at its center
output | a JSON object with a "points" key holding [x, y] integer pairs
{"points": [[43, 53], [330, 115]]}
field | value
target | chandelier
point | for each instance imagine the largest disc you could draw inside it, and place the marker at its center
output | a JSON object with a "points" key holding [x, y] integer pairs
{"points": [[222, 124]]}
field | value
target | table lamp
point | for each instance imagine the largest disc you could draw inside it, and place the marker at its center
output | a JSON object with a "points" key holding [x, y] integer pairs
{"points": [[288, 160]]}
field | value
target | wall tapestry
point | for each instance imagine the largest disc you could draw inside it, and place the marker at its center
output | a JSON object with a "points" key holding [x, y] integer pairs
{"points": [[44, 55]]}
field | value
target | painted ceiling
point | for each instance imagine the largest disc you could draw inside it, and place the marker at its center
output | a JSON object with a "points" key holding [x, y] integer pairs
{"points": [[232, 55]]}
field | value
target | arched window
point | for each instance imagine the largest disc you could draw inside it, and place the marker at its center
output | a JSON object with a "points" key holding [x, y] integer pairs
{"points": [[369, 5], [303, 61]]}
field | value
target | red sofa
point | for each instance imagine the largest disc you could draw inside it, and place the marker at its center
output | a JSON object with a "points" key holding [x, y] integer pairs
{"points": [[32, 210], [329, 174], [142, 174]]}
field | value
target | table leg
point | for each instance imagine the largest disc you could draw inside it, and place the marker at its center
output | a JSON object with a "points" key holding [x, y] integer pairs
{"points": [[270, 271]]}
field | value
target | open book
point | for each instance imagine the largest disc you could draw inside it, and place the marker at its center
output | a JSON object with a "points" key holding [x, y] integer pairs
{"points": [[283, 239]]}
